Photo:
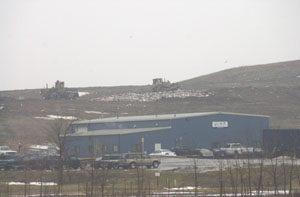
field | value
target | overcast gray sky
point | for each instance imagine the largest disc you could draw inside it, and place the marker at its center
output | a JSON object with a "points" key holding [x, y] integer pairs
{"points": [[129, 42]]}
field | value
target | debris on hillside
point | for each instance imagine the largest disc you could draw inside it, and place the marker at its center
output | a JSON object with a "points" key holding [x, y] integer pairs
{"points": [[83, 93], [154, 96]]}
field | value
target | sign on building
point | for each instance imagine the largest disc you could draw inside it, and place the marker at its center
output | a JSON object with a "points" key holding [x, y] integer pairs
{"points": [[220, 124]]}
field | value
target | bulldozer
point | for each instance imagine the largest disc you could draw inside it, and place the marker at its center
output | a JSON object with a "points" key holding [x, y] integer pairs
{"points": [[59, 92], [160, 85]]}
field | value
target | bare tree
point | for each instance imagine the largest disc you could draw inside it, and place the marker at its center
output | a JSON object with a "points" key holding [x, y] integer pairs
{"points": [[274, 168], [140, 175], [102, 180], [291, 175], [221, 178], [195, 170], [232, 177], [57, 133], [259, 187]]}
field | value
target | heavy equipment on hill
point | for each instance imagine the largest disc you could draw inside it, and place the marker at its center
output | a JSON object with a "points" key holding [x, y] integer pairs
{"points": [[160, 85], [59, 92]]}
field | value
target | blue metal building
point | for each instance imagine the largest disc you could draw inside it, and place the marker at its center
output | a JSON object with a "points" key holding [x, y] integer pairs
{"points": [[136, 133]]}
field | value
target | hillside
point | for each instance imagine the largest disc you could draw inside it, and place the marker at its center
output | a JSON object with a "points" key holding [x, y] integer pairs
{"points": [[277, 74], [271, 89]]}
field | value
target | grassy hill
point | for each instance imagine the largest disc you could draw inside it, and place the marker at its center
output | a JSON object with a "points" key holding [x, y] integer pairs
{"points": [[271, 89], [285, 74]]}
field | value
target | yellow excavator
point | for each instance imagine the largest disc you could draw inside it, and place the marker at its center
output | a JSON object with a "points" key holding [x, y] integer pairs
{"points": [[160, 85], [59, 92]]}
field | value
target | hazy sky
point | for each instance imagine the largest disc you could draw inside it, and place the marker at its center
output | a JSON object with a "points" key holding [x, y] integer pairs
{"points": [[129, 42]]}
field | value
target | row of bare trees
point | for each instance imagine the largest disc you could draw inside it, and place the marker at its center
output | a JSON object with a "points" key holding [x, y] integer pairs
{"points": [[260, 177]]}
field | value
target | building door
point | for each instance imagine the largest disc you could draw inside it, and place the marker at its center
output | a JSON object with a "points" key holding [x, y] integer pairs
{"points": [[157, 147]]}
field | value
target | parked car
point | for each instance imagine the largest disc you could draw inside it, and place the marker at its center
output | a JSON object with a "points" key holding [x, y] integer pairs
{"points": [[194, 152], [7, 162], [109, 161], [6, 150], [163, 152], [218, 153], [205, 153], [35, 162], [185, 151], [71, 162], [133, 160]]}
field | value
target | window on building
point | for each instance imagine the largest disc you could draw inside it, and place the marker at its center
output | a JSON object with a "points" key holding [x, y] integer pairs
{"points": [[81, 129], [103, 149], [77, 149], [215, 145], [136, 148], [116, 148], [91, 149]]}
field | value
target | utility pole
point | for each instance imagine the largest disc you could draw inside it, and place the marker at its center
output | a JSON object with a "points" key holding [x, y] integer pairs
{"points": [[143, 145]]}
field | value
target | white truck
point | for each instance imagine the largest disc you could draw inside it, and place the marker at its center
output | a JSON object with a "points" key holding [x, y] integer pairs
{"points": [[5, 150], [237, 149]]}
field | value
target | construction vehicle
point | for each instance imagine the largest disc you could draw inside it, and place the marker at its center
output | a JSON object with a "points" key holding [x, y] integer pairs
{"points": [[160, 85], [59, 92]]}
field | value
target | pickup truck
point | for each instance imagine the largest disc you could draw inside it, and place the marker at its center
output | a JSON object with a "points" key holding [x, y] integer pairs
{"points": [[5, 150], [236, 149]]}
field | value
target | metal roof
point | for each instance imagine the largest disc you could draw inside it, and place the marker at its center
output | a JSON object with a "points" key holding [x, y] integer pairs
{"points": [[118, 131], [160, 117]]}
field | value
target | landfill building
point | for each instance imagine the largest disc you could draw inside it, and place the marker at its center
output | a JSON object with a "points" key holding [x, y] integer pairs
{"points": [[92, 138]]}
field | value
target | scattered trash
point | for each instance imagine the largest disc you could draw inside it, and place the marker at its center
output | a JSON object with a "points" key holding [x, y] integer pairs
{"points": [[154, 96], [83, 93]]}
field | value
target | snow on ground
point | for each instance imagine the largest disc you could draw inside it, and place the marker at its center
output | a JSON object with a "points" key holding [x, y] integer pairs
{"points": [[95, 112], [83, 93], [298, 76], [54, 117], [191, 193], [33, 183], [183, 188], [1, 106]]}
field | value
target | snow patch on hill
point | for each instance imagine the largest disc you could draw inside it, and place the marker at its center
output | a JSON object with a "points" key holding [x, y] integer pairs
{"points": [[54, 117], [95, 112]]}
